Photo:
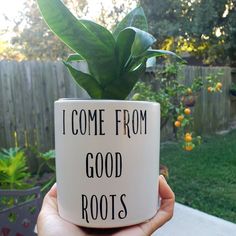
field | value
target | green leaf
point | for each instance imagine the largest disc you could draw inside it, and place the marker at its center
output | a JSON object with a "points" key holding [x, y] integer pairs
{"points": [[102, 33], [114, 65], [142, 42], [136, 18], [84, 37], [124, 44], [148, 54], [48, 155], [156, 53], [130, 43], [74, 57], [107, 38], [120, 89], [69, 29], [85, 81], [13, 170]]}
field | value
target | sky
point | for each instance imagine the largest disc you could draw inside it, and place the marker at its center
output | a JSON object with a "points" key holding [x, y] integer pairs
{"points": [[8, 12], [10, 8]]}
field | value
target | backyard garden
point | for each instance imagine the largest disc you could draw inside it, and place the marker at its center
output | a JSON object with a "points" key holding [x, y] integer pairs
{"points": [[185, 64], [204, 179]]}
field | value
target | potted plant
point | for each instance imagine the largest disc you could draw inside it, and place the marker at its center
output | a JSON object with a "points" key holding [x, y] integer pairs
{"points": [[107, 149], [232, 89], [20, 201], [189, 100]]}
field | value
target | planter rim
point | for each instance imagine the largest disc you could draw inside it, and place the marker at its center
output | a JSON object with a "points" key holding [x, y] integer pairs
{"points": [[104, 101]]}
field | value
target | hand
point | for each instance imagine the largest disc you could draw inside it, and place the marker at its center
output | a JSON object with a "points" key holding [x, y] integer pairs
{"points": [[51, 224]]}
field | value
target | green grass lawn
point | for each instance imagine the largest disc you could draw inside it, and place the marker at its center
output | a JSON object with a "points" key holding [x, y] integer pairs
{"points": [[205, 178]]}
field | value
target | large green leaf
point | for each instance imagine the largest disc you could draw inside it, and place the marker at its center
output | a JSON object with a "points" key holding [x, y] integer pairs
{"points": [[131, 43], [13, 170], [136, 18], [114, 62], [156, 53], [91, 41], [107, 38], [120, 89], [124, 44], [148, 54], [74, 57], [102, 33], [85, 81], [142, 42]]}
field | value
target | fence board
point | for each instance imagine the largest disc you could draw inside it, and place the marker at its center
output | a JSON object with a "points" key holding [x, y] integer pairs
{"points": [[8, 106], [28, 91], [212, 111], [28, 101], [2, 128]]}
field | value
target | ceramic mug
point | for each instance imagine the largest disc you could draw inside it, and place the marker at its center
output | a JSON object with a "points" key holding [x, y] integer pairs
{"points": [[107, 161]]}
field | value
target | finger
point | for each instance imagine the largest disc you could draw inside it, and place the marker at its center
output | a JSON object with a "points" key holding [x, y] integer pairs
{"points": [[49, 207], [165, 212], [50, 201], [164, 189], [53, 191]]}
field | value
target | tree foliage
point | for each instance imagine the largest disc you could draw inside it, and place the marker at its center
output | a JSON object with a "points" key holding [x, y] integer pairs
{"points": [[204, 28], [177, 99], [111, 17], [37, 42], [35, 39], [8, 52]]}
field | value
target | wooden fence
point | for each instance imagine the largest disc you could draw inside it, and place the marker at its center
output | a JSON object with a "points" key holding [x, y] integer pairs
{"points": [[27, 94], [28, 91], [213, 111]]}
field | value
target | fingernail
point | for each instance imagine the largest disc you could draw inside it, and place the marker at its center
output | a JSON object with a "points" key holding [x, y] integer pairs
{"points": [[162, 176]]}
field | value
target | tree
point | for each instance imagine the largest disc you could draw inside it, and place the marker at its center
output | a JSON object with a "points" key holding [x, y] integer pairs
{"points": [[164, 18], [204, 28], [35, 40], [177, 99], [110, 18], [7, 52]]}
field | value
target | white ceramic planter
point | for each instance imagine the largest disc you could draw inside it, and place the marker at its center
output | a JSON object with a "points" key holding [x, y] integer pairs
{"points": [[107, 161]]}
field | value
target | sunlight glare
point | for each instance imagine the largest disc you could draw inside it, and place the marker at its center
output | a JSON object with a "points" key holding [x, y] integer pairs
{"points": [[8, 11], [95, 7]]}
